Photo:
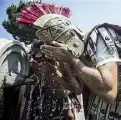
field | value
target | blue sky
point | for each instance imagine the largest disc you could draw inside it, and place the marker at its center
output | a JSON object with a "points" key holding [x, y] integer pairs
{"points": [[85, 13]]}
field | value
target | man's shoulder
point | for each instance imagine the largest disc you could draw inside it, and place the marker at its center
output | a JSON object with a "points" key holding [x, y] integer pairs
{"points": [[106, 31], [106, 25], [103, 44]]}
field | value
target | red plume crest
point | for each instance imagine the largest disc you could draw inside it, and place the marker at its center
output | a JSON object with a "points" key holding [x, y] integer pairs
{"points": [[36, 10]]}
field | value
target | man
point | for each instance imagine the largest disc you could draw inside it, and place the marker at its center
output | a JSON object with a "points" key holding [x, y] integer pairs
{"points": [[101, 43], [101, 80], [46, 99]]}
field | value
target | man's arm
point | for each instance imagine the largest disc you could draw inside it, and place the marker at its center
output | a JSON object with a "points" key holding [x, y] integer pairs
{"points": [[101, 81]]}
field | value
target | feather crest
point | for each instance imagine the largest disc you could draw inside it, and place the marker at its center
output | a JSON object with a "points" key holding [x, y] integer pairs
{"points": [[36, 10]]}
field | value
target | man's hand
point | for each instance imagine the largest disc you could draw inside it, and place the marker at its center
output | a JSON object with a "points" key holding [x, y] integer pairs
{"points": [[58, 52], [69, 80]]}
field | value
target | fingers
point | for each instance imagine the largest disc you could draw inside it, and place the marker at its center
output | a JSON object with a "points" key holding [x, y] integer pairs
{"points": [[56, 44], [54, 55], [59, 78], [72, 80], [49, 54], [47, 47], [50, 51], [64, 83]]}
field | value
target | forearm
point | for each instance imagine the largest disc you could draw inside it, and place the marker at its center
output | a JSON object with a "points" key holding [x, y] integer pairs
{"points": [[93, 79]]}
